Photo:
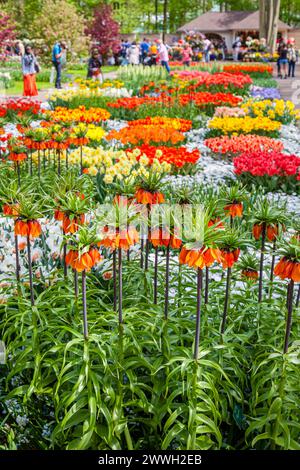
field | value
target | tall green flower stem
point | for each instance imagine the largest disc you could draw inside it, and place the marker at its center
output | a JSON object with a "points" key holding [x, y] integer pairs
{"points": [[58, 163], [39, 163], [30, 270], [81, 162], [166, 311], [298, 298], [84, 307], [142, 252], [261, 264], [67, 158], [44, 159], [155, 275], [289, 316], [30, 164], [273, 261], [115, 279], [76, 283], [179, 284], [128, 255], [64, 259], [120, 386], [227, 297], [147, 254], [206, 285], [17, 258], [120, 311], [19, 173], [198, 312]]}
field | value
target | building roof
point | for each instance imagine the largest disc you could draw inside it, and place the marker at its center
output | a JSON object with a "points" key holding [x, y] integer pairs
{"points": [[214, 21]]}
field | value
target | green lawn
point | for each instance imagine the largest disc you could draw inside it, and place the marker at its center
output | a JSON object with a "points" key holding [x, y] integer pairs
{"points": [[17, 88]]}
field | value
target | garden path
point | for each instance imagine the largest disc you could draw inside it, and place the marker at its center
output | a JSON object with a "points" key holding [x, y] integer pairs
{"points": [[290, 88]]}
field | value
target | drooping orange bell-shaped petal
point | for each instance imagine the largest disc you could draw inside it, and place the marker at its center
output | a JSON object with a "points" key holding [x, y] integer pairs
{"points": [[34, 228], [272, 232], [257, 230], [21, 228], [295, 275]]}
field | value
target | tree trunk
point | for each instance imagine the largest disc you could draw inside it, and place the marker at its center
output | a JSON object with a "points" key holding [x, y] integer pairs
{"points": [[274, 26], [262, 19], [268, 21], [165, 20]]}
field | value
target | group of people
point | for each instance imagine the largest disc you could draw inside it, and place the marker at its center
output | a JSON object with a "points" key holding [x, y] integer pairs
{"points": [[146, 53], [287, 59], [30, 66]]}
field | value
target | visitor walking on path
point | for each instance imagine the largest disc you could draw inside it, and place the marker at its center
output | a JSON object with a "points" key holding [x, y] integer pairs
{"points": [[236, 46], [292, 58], [58, 55], [283, 60], [206, 49], [223, 47], [186, 55], [30, 68], [94, 66], [163, 55]]}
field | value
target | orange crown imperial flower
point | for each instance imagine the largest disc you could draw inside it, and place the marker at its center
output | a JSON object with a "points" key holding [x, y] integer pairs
{"points": [[160, 237], [123, 239], [229, 258], [30, 228], [147, 197], [17, 157], [84, 262], [250, 273], [288, 269], [10, 210], [235, 209], [205, 257], [272, 231], [72, 225]]}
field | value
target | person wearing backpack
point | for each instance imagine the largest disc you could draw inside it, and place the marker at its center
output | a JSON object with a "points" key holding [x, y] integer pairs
{"points": [[58, 54]]}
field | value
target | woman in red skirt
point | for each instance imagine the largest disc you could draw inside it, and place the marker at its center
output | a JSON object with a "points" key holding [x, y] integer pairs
{"points": [[30, 68]]}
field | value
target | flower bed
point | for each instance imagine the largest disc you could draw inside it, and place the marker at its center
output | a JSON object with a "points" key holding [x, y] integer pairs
{"points": [[254, 70], [136, 276], [244, 125], [270, 169], [243, 143]]}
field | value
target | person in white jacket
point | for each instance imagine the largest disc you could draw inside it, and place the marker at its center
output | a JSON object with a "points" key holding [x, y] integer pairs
{"points": [[133, 54]]}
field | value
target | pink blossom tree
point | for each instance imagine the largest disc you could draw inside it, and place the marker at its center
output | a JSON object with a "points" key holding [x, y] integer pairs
{"points": [[7, 30]]}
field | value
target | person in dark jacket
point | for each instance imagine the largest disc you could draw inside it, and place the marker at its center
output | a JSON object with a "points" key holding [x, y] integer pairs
{"points": [[94, 66]]}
